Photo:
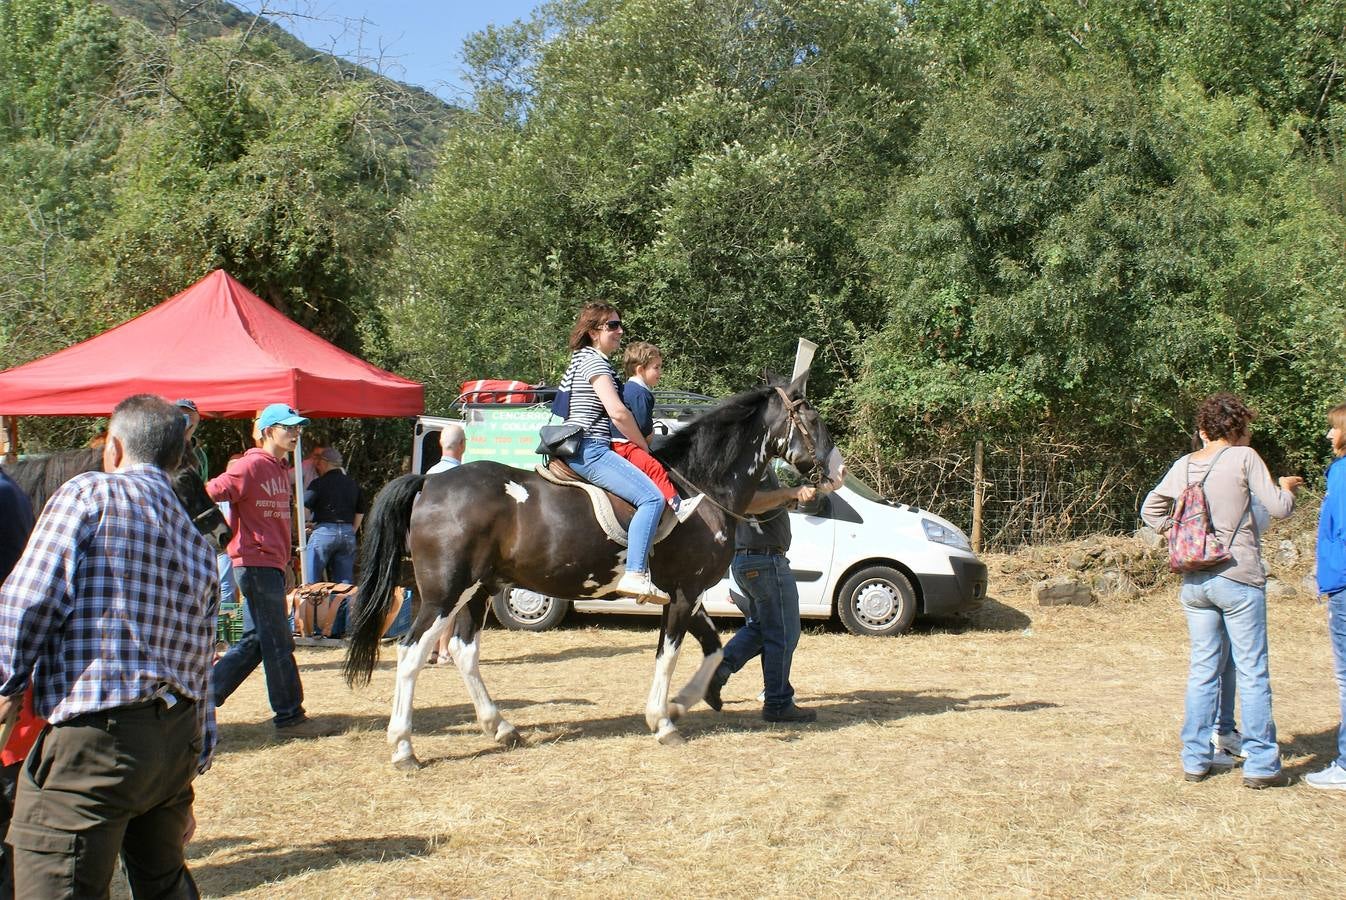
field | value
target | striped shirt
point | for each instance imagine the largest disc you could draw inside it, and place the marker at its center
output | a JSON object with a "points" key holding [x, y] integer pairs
{"points": [[113, 602], [586, 409]]}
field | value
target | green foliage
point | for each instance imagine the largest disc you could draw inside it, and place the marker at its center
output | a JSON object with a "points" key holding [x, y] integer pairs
{"points": [[1079, 261], [701, 164], [1019, 219]]}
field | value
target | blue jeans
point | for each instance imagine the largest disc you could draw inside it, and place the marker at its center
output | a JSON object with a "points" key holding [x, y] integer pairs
{"points": [[228, 592], [1336, 628], [601, 466], [331, 549], [772, 627], [1216, 606], [267, 639], [1224, 719]]}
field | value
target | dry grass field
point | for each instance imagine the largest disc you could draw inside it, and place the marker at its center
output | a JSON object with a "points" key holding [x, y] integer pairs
{"points": [[1033, 754]]}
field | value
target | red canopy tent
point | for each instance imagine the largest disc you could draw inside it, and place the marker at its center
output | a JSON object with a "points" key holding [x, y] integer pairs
{"points": [[221, 345]]}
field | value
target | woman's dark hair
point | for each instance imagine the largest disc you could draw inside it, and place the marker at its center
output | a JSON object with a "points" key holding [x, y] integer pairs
{"points": [[593, 316], [1223, 416]]}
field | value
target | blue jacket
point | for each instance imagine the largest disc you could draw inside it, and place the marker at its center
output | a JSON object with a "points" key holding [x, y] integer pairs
{"points": [[640, 400], [1332, 531]]}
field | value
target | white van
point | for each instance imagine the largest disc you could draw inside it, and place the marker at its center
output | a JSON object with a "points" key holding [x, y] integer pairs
{"points": [[872, 563]]}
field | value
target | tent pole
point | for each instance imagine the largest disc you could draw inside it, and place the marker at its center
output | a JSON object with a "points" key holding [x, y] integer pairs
{"points": [[9, 433], [299, 504]]}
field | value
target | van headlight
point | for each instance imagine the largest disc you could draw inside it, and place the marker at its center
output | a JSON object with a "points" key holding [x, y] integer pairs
{"points": [[943, 534]]}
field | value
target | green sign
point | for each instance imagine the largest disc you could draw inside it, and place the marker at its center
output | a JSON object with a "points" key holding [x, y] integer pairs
{"points": [[504, 433]]}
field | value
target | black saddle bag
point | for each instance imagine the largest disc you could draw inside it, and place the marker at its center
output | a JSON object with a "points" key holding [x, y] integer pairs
{"points": [[561, 441]]}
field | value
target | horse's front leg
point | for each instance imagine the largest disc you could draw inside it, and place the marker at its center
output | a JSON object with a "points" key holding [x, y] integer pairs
{"points": [[671, 632], [694, 691], [411, 658], [465, 647]]}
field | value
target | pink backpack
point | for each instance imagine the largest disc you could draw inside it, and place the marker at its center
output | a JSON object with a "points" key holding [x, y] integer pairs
{"points": [[1193, 544]]}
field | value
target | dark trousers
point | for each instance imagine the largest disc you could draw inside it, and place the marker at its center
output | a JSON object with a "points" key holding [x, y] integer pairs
{"points": [[772, 627], [104, 784], [268, 639]]}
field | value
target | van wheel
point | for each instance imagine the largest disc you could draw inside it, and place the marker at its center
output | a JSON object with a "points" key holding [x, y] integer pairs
{"points": [[877, 600], [523, 610]]}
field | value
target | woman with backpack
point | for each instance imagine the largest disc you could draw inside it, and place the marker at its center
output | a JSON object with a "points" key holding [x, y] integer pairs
{"points": [[1204, 503]]}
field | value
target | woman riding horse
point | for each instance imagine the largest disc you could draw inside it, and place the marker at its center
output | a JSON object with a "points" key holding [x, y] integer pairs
{"points": [[595, 404], [484, 524]]}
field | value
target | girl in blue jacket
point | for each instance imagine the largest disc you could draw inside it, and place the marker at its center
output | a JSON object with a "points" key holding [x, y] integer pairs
{"points": [[1332, 582]]}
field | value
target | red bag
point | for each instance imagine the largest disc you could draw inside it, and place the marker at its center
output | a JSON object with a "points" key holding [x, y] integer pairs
{"points": [[1193, 544], [492, 390]]}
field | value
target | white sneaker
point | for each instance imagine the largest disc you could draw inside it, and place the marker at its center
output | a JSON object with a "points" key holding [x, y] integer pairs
{"points": [[1223, 759], [1231, 743], [1333, 778], [639, 585], [687, 506]]}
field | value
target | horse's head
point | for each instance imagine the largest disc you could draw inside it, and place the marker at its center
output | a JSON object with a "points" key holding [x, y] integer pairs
{"points": [[206, 516], [796, 433]]}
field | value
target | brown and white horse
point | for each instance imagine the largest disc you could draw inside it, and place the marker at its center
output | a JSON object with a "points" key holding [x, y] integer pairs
{"points": [[483, 524], [40, 476]]}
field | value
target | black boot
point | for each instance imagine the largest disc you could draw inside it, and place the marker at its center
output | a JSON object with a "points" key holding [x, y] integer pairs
{"points": [[717, 681]]}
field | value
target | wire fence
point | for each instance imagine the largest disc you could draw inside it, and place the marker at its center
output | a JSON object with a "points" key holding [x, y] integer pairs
{"points": [[1030, 495]]}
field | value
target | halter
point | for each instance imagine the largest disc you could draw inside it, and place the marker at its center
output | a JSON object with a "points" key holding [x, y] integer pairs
{"points": [[792, 411]]}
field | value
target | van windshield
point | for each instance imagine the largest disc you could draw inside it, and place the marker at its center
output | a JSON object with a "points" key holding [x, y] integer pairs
{"points": [[864, 490]]}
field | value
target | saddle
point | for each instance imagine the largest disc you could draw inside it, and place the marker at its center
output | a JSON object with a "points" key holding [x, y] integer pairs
{"points": [[315, 607], [611, 511]]}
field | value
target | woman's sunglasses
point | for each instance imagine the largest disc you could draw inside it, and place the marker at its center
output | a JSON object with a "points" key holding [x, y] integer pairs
{"points": [[614, 325]]}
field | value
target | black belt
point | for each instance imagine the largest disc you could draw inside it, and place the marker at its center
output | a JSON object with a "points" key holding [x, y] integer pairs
{"points": [[759, 551]]}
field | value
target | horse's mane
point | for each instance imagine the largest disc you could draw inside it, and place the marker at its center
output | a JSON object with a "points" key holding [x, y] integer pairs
{"points": [[711, 443], [40, 477]]}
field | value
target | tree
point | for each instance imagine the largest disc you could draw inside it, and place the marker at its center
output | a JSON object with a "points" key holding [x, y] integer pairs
{"points": [[702, 164]]}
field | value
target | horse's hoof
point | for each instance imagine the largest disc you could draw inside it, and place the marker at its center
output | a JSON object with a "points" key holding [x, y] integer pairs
{"points": [[670, 737], [675, 710], [511, 738], [408, 764]]}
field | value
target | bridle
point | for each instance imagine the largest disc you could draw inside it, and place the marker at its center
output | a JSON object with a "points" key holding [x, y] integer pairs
{"points": [[792, 408]]}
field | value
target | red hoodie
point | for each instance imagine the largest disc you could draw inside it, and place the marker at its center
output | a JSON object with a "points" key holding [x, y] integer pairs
{"points": [[258, 487]]}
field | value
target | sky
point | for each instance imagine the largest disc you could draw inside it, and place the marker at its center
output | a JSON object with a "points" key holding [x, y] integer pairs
{"points": [[420, 41]]}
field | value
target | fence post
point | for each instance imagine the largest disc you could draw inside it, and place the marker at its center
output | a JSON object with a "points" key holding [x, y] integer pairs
{"points": [[976, 496]]}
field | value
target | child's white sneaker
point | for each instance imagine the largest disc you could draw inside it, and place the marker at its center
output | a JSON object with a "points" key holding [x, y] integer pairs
{"points": [[687, 506], [639, 585]]}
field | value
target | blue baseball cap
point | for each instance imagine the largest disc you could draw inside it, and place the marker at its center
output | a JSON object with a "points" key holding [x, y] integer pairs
{"points": [[279, 414]]}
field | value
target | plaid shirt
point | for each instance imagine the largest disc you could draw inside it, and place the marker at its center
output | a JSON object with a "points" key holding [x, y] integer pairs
{"points": [[113, 602]]}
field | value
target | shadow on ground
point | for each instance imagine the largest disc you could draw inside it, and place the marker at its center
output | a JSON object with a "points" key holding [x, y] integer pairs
{"points": [[388, 656], [1320, 748], [264, 864]]}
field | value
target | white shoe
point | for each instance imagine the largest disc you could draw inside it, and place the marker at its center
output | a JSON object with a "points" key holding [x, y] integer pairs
{"points": [[687, 506], [1333, 778], [1223, 759], [1231, 743], [639, 585]]}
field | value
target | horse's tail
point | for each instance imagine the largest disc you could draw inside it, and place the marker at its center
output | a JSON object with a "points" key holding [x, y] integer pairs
{"points": [[385, 540]]}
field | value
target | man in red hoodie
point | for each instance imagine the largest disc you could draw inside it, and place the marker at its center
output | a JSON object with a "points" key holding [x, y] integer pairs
{"points": [[259, 488]]}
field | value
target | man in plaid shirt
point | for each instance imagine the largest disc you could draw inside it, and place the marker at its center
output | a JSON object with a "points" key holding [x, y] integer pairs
{"points": [[110, 614]]}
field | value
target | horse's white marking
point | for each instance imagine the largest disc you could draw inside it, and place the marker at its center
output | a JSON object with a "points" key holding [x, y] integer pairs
{"points": [[467, 656], [720, 538], [656, 707], [410, 661], [694, 691], [589, 583], [517, 491]]}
